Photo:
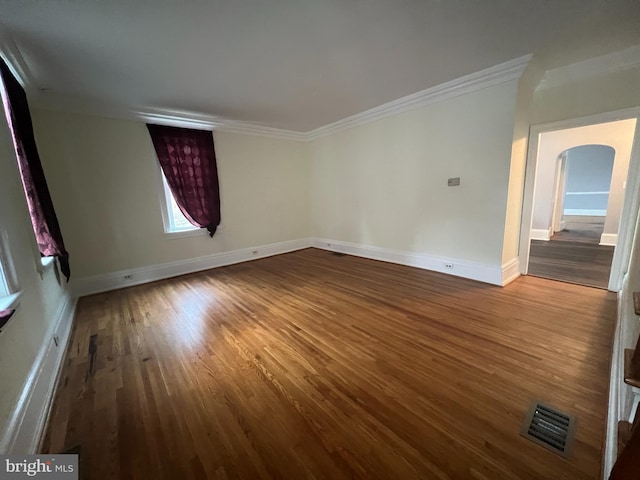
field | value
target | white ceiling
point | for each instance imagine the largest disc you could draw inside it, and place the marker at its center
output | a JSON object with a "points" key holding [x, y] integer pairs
{"points": [[294, 64]]}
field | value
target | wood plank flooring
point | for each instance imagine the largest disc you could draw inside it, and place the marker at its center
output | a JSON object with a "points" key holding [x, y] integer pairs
{"points": [[310, 365], [574, 254], [576, 262], [580, 229]]}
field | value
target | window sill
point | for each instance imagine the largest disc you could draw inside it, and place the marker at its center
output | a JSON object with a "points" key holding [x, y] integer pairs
{"points": [[47, 262], [195, 232], [10, 301]]}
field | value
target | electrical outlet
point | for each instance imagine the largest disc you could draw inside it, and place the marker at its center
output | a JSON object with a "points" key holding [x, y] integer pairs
{"points": [[255, 252], [128, 276], [448, 265]]}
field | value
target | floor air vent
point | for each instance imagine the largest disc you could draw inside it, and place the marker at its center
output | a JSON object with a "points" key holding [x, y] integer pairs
{"points": [[338, 254], [550, 428]]}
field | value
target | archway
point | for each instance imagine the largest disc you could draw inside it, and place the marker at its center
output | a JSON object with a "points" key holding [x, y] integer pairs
{"points": [[547, 214]]}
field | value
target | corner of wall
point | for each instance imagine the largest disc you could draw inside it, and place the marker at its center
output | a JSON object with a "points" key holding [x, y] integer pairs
{"points": [[26, 423]]}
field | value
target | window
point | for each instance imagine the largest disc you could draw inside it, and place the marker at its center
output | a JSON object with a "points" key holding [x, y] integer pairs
{"points": [[189, 177], [9, 291], [174, 220], [4, 284], [41, 211]]}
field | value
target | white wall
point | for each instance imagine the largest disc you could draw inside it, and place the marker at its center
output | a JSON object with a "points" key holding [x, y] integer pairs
{"points": [[384, 184], [609, 92], [103, 174], [30, 330], [526, 88], [618, 135], [589, 169]]}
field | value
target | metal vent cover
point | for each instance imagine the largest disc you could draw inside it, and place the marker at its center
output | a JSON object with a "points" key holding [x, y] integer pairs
{"points": [[550, 428]]}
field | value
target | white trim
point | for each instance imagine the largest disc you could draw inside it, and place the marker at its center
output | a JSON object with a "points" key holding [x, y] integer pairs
{"points": [[504, 72], [11, 301], [496, 275], [609, 239], [47, 262], [57, 103], [593, 67], [15, 61], [190, 232], [492, 274], [244, 128], [587, 193], [179, 118], [594, 119], [495, 75], [26, 423], [631, 203], [151, 273], [541, 234], [510, 271], [615, 411], [584, 212], [630, 210]]}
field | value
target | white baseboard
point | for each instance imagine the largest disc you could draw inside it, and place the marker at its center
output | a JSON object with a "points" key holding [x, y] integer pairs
{"points": [[137, 276], [510, 271], [584, 212], [540, 234], [492, 274], [26, 423], [610, 239], [583, 219]]}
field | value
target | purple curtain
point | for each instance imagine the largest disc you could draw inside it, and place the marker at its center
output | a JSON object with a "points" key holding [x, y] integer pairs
{"points": [[188, 161], [5, 315], [43, 215]]}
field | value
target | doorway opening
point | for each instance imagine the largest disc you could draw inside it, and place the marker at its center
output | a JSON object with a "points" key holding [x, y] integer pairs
{"points": [[577, 249], [579, 191]]}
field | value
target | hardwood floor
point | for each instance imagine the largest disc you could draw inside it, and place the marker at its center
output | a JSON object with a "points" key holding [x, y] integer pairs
{"points": [[310, 365], [575, 262], [580, 229], [574, 254]]}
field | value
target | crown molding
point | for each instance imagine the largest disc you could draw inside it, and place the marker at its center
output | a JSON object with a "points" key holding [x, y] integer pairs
{"points": [[203, 121], [496, 75], [15, 61], [593, 67], [262, 131], [488, 77], [180, 118]]}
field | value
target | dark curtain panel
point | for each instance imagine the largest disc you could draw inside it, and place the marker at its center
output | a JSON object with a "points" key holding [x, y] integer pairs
{"points": [[5, 315], [43, 215], [188, 161]]}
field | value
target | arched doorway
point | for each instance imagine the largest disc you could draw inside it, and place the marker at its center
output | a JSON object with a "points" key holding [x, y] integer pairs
{"points": [[583, 209], [579, 249]]}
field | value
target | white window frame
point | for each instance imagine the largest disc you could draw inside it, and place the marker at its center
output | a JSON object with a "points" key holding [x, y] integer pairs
{"points": [[168, 221], [164, 193], [9, 289]]}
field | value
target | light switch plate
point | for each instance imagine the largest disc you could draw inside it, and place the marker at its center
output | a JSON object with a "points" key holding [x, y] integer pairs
{"points": [[453, 182]]}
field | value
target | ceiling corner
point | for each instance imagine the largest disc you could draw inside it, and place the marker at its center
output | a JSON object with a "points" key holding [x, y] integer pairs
{"points": [[11, 54]]}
